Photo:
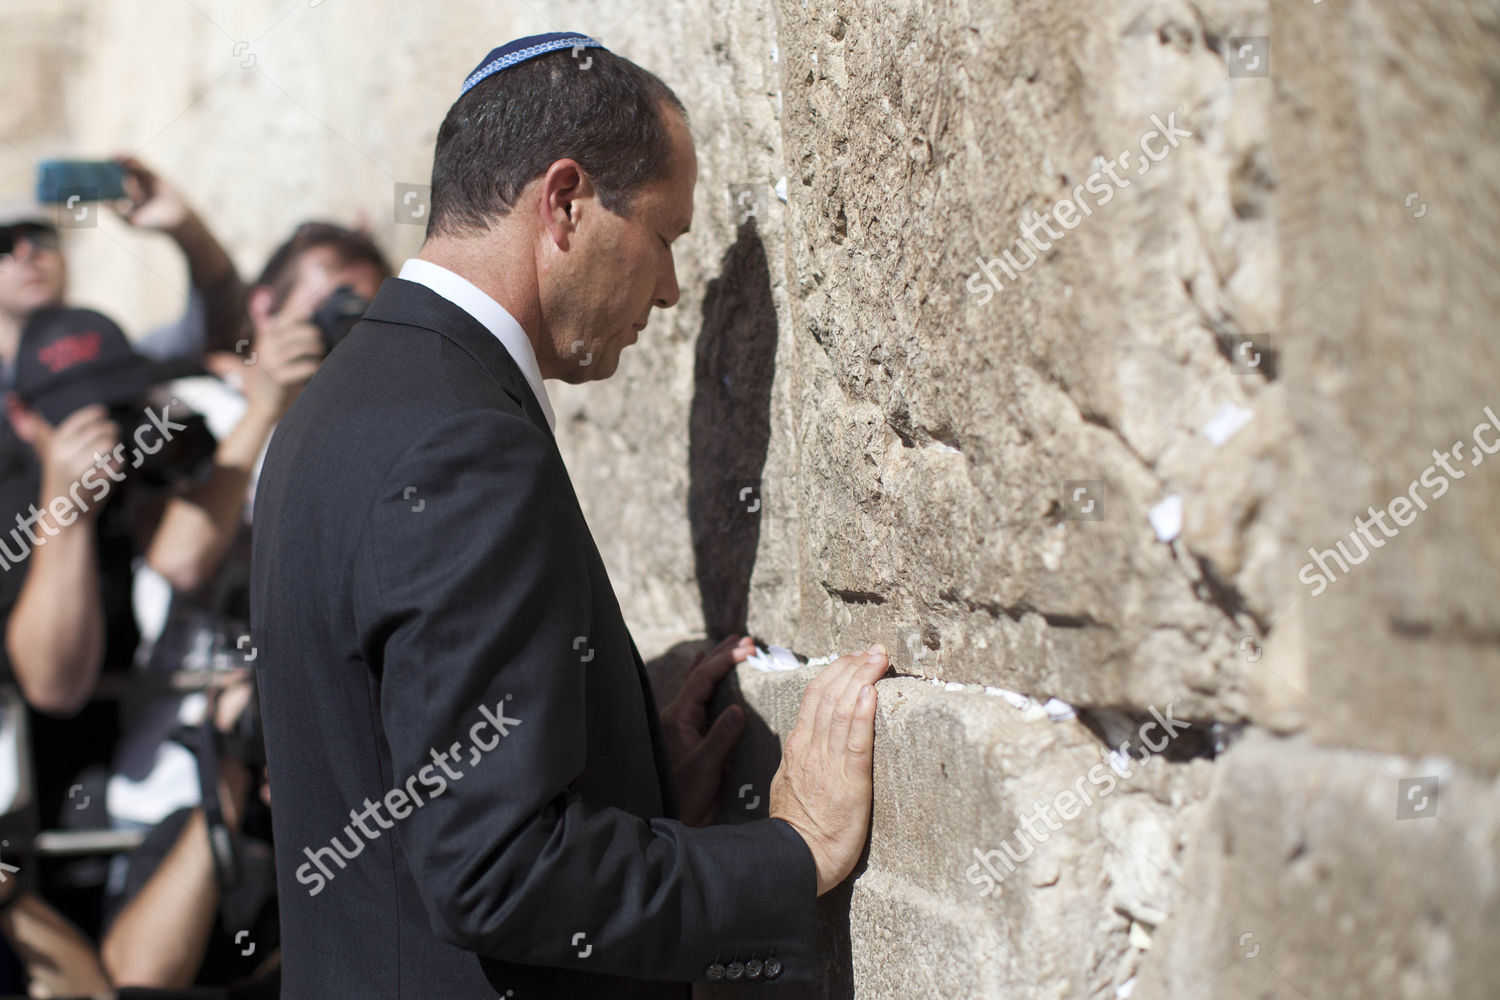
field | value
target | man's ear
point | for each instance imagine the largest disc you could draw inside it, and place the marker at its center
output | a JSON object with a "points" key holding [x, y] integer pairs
{"points": [[563, 187], [22, 417]]}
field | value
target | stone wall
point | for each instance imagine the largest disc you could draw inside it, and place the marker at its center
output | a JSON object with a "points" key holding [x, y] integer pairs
{"points": [[1097, 482]]}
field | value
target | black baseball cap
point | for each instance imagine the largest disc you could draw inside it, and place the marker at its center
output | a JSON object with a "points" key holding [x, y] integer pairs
{"points": [[72, 358]]}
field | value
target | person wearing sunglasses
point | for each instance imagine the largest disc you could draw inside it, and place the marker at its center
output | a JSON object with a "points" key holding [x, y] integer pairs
{"points": [[34, 274]]}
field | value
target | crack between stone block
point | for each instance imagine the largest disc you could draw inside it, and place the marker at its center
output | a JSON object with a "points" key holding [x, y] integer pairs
{"points": [[853, 596], [1015, 612]]}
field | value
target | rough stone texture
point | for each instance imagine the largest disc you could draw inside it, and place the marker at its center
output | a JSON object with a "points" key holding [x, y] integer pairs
{"points": [[1363, 903], [910, 444]]}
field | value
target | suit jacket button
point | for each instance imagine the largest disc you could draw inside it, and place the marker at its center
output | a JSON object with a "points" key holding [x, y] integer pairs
{"points": [[753, 968], [714, 973], [773, 968], [735, 972]]}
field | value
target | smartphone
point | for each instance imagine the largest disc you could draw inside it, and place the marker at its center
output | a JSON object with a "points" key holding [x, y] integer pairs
{"points": [[70, 181]]}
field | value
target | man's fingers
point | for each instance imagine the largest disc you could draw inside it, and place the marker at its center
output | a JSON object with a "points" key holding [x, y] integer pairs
{"points": [[815, 711], [721, 738], [132, 165], [862, 733], [724, 643], [840, 687], [82, 434], [874, 667], [841, 720], [88, 433], [700, 680]]}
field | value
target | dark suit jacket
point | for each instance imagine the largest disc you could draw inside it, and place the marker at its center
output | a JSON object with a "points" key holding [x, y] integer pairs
{"points": [[423, 575]]}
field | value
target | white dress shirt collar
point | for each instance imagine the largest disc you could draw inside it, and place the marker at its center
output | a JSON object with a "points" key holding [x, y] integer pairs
{"points": [[490, 314]]}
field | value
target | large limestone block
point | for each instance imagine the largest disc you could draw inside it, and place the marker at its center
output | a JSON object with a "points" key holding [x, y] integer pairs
{"points": [[993, 827], [1331, 873]]}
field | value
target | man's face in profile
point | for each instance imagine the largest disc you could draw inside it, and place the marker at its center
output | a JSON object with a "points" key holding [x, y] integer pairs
{"points": [[626, 268]]}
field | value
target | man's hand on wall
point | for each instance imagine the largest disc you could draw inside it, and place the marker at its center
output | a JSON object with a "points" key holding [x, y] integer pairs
{"points": [[697, 749], [824, 787]]}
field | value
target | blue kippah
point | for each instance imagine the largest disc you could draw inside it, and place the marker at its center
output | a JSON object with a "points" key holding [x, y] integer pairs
{"points": [[526, 48]]}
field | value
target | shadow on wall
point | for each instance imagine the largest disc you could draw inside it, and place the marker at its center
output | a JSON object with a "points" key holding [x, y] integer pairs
{"points": [[729, 429]]}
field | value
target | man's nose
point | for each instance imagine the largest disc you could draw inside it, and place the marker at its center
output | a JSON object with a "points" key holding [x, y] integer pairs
{"points": [[666, 290]]}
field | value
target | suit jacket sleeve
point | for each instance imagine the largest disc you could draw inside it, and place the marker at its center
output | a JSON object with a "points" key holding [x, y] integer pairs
{"points": [[469, 591]]}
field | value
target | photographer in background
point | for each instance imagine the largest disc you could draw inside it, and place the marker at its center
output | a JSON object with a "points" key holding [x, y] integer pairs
{"points": [[57, 661], [311, 292], [109, 453], [107, 449], [175, 928], [33, 276]]}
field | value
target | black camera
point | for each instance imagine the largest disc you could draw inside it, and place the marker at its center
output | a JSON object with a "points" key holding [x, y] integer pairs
{"points": [[338, 314], [165, 443]]}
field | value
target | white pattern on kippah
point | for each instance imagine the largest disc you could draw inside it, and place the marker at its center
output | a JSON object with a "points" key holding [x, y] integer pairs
{"points": [[521, 55]]}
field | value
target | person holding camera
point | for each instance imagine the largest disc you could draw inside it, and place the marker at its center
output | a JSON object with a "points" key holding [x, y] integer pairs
{"points": [[108, 451], [195, 580], [124, 472], [176, 924], [34, 276]]}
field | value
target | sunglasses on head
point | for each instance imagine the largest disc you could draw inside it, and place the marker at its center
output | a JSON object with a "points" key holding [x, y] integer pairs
{"points": [[40, 236]]}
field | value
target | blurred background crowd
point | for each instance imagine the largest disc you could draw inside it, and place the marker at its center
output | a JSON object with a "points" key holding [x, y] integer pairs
{"points": [[134, 800]]}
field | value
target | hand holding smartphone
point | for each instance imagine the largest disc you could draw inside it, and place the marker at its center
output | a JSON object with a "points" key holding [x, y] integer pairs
{"points": [[69, 182]]}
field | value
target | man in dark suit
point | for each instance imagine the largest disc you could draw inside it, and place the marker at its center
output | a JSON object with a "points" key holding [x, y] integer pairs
{"points": [[474, 795]]}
